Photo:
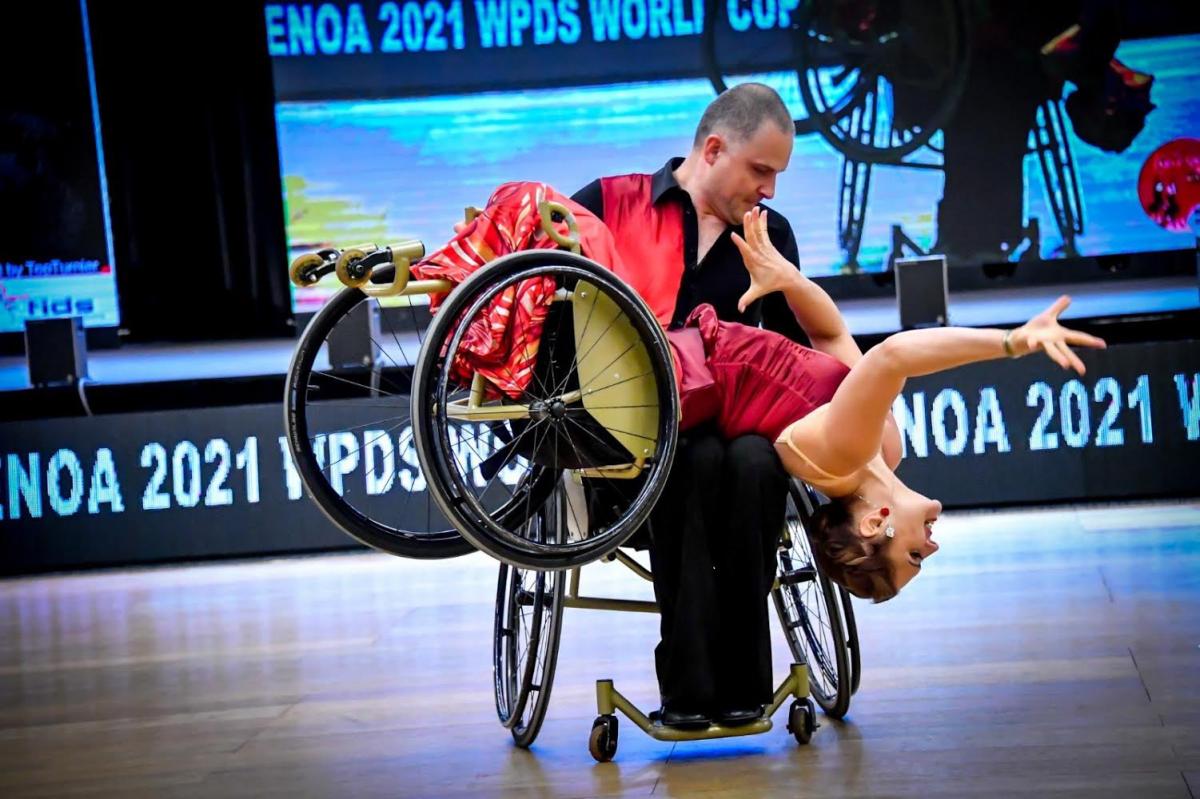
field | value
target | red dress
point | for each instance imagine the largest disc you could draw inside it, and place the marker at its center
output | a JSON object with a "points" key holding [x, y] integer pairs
{"points": [[746, 379]]}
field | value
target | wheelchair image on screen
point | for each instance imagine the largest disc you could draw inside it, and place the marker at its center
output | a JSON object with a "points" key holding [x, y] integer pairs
{"points": [[878, 81], [423, 457]]}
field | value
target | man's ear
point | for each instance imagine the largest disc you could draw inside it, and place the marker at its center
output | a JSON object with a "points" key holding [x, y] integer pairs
{"points": [[713, 144]]}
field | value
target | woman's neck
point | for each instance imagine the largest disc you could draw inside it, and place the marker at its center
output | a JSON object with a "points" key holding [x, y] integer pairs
{"points": [[874, 479]]}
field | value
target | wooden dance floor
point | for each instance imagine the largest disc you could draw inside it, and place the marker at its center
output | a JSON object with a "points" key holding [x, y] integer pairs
{"points": [[1044, 653]]}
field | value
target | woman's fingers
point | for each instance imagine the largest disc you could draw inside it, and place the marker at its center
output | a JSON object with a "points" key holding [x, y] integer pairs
{"points": [[1060, 305], [1081, 339], [1051, 352], [1071, 357], [751, 227], [754, 223], [752, 294], [1063, 355]]}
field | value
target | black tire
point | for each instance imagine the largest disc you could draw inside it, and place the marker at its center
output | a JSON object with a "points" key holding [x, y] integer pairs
{"points": [[411, 527], [889, 56], [563, 444], [524, 670], [602, 743], [802, 721], [851, 629], [885, 68], [714, 54], [810, 612]]}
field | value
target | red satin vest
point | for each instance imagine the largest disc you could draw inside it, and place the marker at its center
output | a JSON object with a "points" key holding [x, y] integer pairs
{"points": [[649, 239]]}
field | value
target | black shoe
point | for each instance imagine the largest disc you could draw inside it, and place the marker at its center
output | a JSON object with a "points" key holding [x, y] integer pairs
{"points": [[680, 720], [736, 717]]}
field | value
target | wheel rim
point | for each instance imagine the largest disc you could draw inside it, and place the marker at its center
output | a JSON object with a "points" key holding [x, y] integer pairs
{"points": [[840, 75], [528, 624], [562, 435], [350, 436], [855, 79], [809, 616]]}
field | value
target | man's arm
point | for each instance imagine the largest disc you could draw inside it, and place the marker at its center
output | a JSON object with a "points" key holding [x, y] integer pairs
{"points": [[591, 197]]}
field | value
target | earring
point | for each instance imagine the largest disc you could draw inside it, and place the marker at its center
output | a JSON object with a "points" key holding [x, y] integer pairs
{"points": [[884, 512], [890, 531]]}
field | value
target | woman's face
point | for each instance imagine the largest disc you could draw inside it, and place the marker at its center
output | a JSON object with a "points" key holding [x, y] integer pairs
{"points": [[913, 516]]}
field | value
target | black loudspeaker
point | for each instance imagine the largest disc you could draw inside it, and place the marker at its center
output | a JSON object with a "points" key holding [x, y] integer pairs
{"points": [[56, 351], [352, 341], [921, 292]]}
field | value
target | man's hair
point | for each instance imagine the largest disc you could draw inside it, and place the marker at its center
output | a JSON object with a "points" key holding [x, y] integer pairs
{"points": [[739, 112], [846, 557]]}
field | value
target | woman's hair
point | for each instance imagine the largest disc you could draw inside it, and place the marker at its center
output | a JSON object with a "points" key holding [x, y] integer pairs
{"points": [[846, 557]]}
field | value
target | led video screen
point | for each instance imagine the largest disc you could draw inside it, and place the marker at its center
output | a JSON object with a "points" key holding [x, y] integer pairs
{"points": [[55, 239], [920, 127]]}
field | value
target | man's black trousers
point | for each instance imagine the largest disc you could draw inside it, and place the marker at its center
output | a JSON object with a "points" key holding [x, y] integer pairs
{"points": [[713, 541]]}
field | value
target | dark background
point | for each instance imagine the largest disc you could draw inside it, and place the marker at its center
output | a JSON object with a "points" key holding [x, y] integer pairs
{"points": [[187, 114]]}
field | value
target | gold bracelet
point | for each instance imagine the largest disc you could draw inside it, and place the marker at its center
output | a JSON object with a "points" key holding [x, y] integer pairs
{"points": [[1008, 348]]}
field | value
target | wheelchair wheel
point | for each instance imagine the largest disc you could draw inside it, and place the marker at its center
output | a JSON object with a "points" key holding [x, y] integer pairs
{"points": [[730, 58], [879, 79], [810, 612], [346, 413], [528, 627], [601, 401], [876, 79], [851, 630], [602, 743]]}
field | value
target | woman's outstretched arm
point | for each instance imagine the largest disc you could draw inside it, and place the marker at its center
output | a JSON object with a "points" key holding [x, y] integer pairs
{"points": [[853, 425]]}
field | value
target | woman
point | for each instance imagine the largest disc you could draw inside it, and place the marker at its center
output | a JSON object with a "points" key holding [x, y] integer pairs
{"points": [[829, 408]]}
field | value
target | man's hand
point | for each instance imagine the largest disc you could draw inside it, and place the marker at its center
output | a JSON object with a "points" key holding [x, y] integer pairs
{"points": [[769, 271]]}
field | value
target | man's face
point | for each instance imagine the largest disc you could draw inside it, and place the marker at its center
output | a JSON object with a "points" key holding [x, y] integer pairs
{"points": [[742, 173]]}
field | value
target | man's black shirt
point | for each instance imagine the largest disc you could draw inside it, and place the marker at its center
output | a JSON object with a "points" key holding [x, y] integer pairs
{"points": [[721, 278]]}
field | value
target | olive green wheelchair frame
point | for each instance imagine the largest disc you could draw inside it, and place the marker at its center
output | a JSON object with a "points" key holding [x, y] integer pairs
{"points": [[609, 699]]}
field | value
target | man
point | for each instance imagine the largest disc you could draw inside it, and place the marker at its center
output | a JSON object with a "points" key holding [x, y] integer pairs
{"points": [[713, 534]]}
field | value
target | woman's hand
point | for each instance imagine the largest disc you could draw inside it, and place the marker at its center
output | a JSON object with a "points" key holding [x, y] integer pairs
{"points": [[769, 271], [1043, 332]]}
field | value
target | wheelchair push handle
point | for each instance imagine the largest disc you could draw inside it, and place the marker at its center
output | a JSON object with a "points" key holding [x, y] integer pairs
{"points": [[547, 210], [354, 267]]}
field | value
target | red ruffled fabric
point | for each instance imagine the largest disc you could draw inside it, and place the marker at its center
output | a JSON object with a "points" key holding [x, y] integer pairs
{"points": [[753, 381], [502, 343]]}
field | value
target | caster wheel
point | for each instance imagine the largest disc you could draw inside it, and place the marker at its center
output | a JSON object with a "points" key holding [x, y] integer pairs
{"points": [[345, 263], [603, 741], [802, 721], [302, 269]]}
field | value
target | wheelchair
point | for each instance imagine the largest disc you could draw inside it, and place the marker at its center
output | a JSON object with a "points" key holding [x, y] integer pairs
{"points": [[877, 81], [409, 447]]}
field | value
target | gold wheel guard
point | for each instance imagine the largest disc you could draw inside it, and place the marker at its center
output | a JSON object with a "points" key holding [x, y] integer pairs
{"points": [[616, 379]]}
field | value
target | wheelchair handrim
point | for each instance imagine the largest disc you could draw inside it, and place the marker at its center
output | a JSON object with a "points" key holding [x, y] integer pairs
{"points": [[474, 294]]}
